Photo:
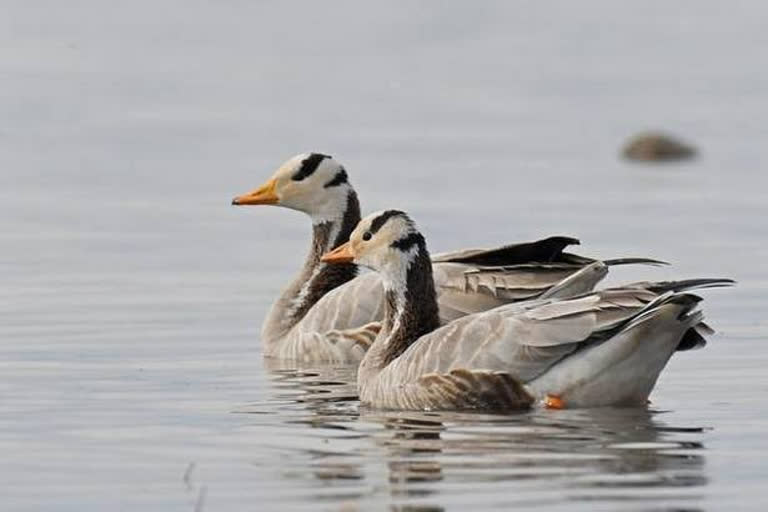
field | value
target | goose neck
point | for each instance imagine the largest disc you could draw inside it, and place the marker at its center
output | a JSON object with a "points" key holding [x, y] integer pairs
{"points": [[411, 311], [315, 278]]}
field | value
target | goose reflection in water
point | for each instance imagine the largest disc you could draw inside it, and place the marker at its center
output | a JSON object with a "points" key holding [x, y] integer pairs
{"points": [[427, 459]]}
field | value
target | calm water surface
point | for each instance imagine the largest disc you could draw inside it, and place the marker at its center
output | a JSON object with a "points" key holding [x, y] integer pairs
{"points": [[131, 293]]}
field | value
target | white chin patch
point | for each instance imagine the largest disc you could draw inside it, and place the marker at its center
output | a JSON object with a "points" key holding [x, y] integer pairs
{"points": [[332, 209]]}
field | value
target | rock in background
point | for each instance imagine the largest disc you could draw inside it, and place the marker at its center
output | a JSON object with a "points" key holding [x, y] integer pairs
{"points": [[659, 147]]}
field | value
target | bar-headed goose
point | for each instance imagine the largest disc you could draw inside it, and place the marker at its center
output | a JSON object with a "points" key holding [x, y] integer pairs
{"points": [[599, 349], [329, 314]]}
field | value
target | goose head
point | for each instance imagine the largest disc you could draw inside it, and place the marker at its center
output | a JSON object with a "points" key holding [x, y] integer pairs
{"points": [[388, 242], [312, 183]]}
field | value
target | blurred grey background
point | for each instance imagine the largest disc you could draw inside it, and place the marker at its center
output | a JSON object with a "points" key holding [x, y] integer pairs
{"points": [[131, 292]]}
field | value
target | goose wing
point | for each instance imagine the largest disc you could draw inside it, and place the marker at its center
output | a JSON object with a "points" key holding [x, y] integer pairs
{"points": [[467, 281], [465, 289], [523, 340], [473, 280], [470, 281], [544, 250]]}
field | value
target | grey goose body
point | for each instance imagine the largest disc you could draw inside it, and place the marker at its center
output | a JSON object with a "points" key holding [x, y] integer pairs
{"points": [[329, 313], [599, 348]]}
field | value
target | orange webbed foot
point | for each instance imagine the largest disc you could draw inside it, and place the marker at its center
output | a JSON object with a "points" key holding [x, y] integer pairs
{"points": [[554, 402]]}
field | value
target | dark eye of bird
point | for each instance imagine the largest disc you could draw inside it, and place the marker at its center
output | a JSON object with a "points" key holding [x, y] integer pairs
{"points": [[367, 236]]}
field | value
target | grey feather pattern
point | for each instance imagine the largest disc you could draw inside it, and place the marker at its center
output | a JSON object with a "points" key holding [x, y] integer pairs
{"points": [[529, 342], [463, 288]]}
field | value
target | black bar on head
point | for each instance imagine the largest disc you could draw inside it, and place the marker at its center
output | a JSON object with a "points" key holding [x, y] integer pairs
{"points": [[308, 166], [383, 218], [341, 177]]}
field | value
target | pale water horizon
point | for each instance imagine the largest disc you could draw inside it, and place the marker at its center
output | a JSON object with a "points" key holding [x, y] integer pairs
{"points": [[132, 291]]}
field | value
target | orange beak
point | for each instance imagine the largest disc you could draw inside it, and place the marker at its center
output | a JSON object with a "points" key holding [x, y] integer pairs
{"points": [[265, 194], [341, 254]]}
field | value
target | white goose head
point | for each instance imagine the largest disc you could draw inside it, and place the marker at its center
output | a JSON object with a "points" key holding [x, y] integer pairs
{"points": [[312, 183], [387, 242]]}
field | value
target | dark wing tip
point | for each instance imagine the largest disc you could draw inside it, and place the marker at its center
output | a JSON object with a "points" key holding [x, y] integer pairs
{"points": [[634, 261], [565, 241], [691, 340], [546, 250], [690, 284]]}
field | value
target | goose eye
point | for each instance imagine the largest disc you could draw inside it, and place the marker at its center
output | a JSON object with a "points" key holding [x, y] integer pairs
{"points": [[367, 236]]}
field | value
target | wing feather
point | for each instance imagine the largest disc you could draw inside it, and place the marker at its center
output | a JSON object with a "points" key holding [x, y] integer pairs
{"points": [[521, 339]]}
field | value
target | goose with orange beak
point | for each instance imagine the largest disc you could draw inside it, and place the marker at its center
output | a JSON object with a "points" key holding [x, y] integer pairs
{"points": [[329, 313], [605, 348]]}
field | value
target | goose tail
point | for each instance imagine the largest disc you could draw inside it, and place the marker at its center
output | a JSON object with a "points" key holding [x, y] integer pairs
{"points": [[622, 368]]}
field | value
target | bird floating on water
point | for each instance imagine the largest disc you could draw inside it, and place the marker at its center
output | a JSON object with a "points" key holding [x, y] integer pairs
{"points": [[604, 348], [329, 313]]}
